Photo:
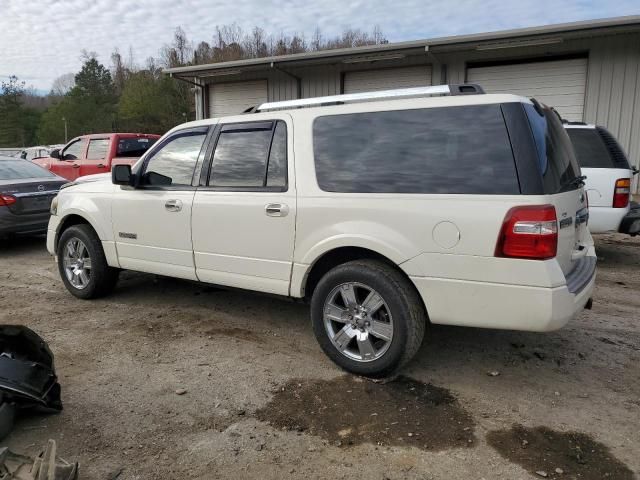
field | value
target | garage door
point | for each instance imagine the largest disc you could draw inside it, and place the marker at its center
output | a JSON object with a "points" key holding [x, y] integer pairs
{"points": [[385, 79], [234, 98], [559, 83]]}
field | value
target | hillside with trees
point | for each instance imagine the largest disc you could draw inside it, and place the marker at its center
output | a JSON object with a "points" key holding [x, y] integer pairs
{"points": [[128, 97]]}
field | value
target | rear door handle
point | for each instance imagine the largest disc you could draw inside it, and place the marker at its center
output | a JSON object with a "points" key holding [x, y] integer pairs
{"points": [[173, 205], [276, 210], [100, 165]]}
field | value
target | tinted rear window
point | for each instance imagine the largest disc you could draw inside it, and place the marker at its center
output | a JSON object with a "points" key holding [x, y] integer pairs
{"points": [[21, 169], [591, 149], [556, 160], [463, 150], [134, 147]]}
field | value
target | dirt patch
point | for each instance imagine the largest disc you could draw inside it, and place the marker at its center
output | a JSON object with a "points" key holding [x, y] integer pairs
{"points": [[239, 333], [349, 410], [553, 454]]}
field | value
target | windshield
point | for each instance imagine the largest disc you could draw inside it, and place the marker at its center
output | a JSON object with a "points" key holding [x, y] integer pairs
{"points": [[556, 159], [134, 147], [21, 169]]}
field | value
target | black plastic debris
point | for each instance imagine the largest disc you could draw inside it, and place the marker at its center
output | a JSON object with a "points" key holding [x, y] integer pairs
{"points": [[27, 375], [7, 414], [46, 466]]}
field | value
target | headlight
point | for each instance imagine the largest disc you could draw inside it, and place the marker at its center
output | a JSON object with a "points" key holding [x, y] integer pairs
{"points": [[54, 206]]}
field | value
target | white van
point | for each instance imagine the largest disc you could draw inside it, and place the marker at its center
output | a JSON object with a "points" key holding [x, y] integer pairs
{"points": [[386, 211]]}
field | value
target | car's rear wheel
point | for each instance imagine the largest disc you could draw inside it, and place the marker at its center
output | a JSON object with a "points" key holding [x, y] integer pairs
{"points": [[368, 318], [82, 264]]}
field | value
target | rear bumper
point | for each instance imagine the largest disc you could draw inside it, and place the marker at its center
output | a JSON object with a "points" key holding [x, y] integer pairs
{"points": [[606, 219], [11, 224], [502, 306]]}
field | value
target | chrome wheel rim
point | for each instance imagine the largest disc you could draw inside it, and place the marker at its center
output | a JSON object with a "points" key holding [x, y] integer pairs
{"points": [[358, 322], [77, 263]]}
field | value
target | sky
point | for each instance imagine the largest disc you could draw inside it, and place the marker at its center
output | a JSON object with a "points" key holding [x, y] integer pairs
{"points": [[43, 39]]}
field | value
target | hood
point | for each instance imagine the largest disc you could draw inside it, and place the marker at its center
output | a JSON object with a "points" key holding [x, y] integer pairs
{"points": [[98, 177]]}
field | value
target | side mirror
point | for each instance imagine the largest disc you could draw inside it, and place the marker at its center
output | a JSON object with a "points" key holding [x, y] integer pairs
{"points": [[121, 175], [55, 153]]}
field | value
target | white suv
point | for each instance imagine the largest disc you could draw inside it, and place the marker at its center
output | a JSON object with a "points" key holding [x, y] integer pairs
{"points": [[385, 210], [608, 178]]}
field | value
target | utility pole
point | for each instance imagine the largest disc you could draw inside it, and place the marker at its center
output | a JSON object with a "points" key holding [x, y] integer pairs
{"points": [[65, 129]]}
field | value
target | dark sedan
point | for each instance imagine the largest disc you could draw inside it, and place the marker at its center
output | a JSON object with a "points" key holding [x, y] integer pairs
{"points": [[26, 191]]}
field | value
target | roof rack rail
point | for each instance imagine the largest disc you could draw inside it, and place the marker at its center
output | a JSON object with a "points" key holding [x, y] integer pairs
{"points": [[436, 90]]}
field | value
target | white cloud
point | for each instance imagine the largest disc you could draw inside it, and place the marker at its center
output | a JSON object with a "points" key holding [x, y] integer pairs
{"points": [[42, 39]]}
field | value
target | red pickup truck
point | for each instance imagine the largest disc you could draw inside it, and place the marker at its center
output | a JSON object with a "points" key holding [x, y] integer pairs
{"points": [[96, 153]]}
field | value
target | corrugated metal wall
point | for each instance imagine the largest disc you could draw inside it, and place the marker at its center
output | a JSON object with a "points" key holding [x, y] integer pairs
{"points": [[613, 78], [613, 90]]}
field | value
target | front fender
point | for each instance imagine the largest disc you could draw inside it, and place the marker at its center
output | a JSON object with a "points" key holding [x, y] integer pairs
{"points": [[92, 217]]}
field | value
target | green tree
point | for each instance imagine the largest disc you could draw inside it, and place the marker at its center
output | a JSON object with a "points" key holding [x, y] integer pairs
{"points": [[152, 103], [89, 107], [18, 122]]}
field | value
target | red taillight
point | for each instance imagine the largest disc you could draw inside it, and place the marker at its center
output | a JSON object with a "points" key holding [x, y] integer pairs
{"points": [[6, 200], [621, 193], [529, 232]]}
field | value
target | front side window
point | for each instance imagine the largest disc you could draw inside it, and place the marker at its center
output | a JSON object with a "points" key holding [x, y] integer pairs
{"points": [[250, 156], [173, 164], [463, 150], [74, 151], [98, 149]]}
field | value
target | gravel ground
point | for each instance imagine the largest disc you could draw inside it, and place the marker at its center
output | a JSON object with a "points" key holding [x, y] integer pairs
{"points": [[258, 399]]}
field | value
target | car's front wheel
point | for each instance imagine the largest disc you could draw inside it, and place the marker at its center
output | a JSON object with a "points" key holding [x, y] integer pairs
{"points": [[367, 317], [82, 264]]}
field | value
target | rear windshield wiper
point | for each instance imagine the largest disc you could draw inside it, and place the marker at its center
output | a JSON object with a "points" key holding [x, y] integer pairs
{"points": [[574, 182]]}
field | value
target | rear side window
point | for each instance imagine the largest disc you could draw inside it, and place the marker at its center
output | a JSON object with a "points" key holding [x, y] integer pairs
{"points": [[134, 147], [463, 150], [98, 149], [591, 149], [556, 160], [21, 169], [251, 155]]}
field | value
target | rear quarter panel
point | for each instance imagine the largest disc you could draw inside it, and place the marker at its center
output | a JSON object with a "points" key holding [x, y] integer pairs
{"points": [[600, 184]]}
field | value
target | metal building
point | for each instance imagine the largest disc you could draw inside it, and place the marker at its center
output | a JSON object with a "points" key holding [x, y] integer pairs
{"points": [[589, 71]]}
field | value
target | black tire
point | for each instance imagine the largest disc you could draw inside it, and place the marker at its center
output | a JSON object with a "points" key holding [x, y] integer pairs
{"points": [[402, 300], [102, 278]]}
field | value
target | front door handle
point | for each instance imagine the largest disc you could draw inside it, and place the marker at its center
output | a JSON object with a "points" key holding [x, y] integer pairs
{"points": [[76, 165], [276, 210], [173, 205]]}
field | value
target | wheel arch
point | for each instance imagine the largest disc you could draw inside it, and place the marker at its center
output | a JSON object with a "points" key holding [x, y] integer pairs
{"points": [[69, 221], [340, 255]]}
